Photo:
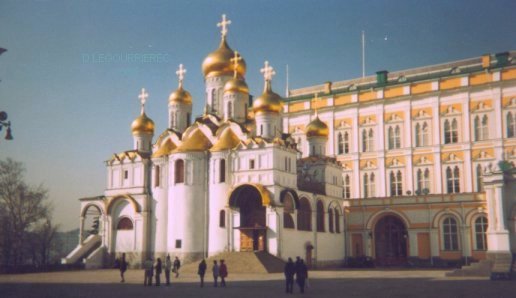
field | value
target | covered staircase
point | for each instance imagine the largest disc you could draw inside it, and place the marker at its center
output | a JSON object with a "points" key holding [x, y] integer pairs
{"points": [[242, 262]]}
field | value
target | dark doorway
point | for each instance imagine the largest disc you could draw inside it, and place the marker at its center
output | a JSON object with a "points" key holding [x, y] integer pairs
{"points": [[390, 238], [252, 217]]}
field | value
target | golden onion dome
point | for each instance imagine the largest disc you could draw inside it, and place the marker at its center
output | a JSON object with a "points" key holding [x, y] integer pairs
{"points": [[268, 101], [317, 128], [219, 63], [236, 85], [142, 124], [180, 95]]}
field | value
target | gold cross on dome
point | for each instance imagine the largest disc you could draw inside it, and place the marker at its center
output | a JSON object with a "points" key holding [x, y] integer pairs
{"points": [[267, 71], [181, 73], [224, 25], [143, 98], [235, 61]]}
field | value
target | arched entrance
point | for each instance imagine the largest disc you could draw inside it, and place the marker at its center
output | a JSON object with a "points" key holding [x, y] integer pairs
{"points": [[390, 239], [248, 199]]}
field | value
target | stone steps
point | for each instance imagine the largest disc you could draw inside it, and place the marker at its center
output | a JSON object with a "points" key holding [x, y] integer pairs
{"points": [[241, 262]]}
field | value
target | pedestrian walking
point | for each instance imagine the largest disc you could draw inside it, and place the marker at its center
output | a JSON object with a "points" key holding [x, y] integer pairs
{"points": [[290, 271], [215, 271], [158, 272], [223, 272], [201, 271], [301, 275], [168, 267], [148, 268], [177, 265], [123, 267]]}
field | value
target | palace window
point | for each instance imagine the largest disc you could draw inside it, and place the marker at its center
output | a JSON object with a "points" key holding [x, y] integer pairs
{"points": [[320, 216], [126, 174], [423, 179], [453, 180], [480, 233], [479, 171], [450, 234], [346, 191], [304, 215], [222, 174], [179, 171], [124, 224], [396, 183], [251, 164], [346, 142], [369, 185], [340, 143], [288, 210], [367, 140], [451, 133], [422, 134], [394, 137], [330, 220], [222, 218], [481, 128], [511, 125]]}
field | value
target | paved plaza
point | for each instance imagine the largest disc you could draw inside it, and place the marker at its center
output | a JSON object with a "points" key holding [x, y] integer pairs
{"points": [[341, 283]]}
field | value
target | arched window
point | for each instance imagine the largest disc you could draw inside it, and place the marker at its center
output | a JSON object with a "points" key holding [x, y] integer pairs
{"points": [[453, 180], [397, 137], [347, 187], [222, 218], [330, 220], [320, 216], [480, 128], [372, 185], [426, 180], [451, 134], [476, 128], [366, 185], [479, 173], [423, 180], [454, 131], [450, 234], [340, 143], [424, 135], [447, 132], [288, 210], [364, 141], [179, 171], [511, 126], [346, 142], [157, 177], [480, 233], [337, 221], [304, 215], [124, 224], [370, 145], [222, 169]]}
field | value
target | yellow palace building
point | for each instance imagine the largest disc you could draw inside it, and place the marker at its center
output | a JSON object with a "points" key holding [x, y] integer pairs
{"points": [[420, 150]]}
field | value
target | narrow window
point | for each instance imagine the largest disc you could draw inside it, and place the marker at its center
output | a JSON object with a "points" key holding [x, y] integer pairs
{"points": [[330, 220], [157, 177], [340, 144], [479, 178], [230, 109], [453, 180], [188, 119], [251, 164], [451, 239], [390, 134], [347, 187], [418, 135], [346, 142], [370, 145], [179, 171], [178, 243], [222, 218], [126, 174], [397, 137], [480, 233], [454, 131], [364, 140], [511, 128], [320, 217], [447, 132], [366, 186], [424, 135], [222, 173], [304, 215], [337, 221]]}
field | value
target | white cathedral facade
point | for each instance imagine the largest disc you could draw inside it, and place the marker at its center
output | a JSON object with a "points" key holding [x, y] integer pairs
{"points": [[398, 169]]}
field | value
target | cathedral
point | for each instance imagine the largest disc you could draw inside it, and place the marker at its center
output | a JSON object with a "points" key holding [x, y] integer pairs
{"points": [[405, 168]]}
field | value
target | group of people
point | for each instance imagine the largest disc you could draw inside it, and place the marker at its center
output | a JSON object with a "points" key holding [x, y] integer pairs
{"points": [[151, 268], [297, 269], [217, 270]]}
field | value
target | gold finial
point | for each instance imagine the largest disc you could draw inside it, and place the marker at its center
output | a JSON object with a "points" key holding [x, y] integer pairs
{"points": [[267, 71], [224, 25], [235, 61], [143, 98], [181, 74]]}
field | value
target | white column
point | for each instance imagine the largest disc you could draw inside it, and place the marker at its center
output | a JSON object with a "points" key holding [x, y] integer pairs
{"points": [[81, 229]]}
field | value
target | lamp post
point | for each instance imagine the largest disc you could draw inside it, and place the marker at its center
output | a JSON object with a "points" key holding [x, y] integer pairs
{"points": [[7, 124]]}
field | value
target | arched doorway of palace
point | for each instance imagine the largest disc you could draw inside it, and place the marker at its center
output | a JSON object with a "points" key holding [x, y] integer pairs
{"points": [[248, 200], [390, 241]]}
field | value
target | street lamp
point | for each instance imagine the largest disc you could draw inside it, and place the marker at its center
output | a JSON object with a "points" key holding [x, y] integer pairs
{"points": [[5, 123]]}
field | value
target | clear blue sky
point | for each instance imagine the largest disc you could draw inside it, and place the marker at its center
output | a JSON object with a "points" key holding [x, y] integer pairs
{"points": [[69, 114]]}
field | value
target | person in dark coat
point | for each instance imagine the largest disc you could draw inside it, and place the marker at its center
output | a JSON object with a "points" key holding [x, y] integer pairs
{"points": [[290, 271], [149, 269], [168, 267], [123, 267], [201, 271], [177, 265], [215, 270], [223, 272], [158, 272], [301, 275]]}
